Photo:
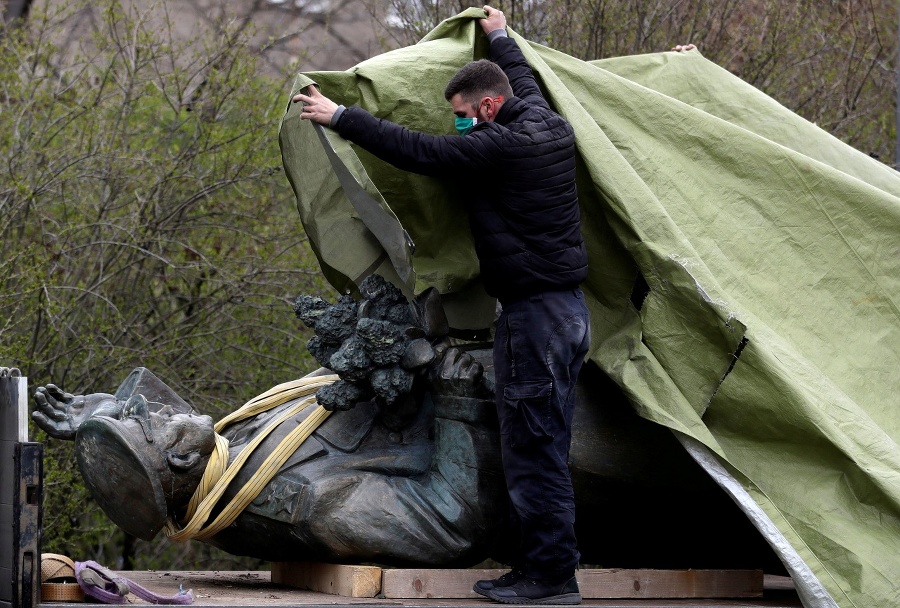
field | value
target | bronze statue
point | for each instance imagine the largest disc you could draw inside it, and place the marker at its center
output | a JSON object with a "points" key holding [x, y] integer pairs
{"points": [[405, 470]]}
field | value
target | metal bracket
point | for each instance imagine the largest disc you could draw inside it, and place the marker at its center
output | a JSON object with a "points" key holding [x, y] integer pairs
{"points": [[21, 472]]}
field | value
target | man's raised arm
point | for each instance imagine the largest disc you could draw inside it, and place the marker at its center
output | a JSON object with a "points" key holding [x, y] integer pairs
{"points": [[506, 53]]}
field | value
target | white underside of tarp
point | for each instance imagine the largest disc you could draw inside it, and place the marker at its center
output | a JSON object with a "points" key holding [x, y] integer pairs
{"points": [[812, 593]]}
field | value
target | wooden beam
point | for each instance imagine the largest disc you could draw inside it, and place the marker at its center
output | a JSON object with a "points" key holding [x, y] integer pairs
{"points": [[348, 581], [639, 584], [594, 584], [425, 583]]}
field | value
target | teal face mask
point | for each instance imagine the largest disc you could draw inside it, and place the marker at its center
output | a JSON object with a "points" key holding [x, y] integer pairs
{"points": [[464, 125]]}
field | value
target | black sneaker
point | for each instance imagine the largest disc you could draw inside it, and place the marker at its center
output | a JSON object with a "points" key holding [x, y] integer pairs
{"points": [[484, 587], [530, 591]]}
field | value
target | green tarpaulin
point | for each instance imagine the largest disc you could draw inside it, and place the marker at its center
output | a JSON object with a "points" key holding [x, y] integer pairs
{"points": [[769, 340]]}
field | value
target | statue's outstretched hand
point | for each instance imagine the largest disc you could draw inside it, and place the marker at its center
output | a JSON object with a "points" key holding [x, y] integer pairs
{"points": [[457, 374], [60, 413]]}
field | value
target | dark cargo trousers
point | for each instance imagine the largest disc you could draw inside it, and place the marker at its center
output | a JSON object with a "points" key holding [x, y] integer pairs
{"points": [[539, 347]]}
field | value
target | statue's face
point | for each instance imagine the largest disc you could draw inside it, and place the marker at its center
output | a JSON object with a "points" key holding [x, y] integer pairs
{"points": [[141, 464], [184, 433], [168, 432]]}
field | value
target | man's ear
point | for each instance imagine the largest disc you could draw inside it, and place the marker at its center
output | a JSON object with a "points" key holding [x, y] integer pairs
{"points": [[182, 462]]}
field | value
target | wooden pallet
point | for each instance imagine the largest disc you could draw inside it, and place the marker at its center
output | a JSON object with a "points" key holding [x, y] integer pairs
{"points": [[429, 583]]}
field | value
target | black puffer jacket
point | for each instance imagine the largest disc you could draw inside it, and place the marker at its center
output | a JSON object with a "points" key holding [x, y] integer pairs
{"points": [[523, 207]]}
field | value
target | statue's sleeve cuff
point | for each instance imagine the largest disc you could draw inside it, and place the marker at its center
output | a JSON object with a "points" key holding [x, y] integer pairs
{"points": [[466, 409]]}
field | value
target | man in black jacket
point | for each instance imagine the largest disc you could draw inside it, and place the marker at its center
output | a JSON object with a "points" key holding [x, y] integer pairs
{"points": [[525, 220]]}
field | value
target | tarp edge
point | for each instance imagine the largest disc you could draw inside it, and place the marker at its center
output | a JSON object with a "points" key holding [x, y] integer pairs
{"points": [[810, 590]]}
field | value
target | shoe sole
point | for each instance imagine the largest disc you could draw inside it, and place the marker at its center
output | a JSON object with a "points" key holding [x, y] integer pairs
{"points": [[566, 599], [481, 592], [486, 592]]}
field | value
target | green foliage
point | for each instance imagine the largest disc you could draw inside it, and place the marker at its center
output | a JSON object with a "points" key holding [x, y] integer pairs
{"points": [[144, 220]]}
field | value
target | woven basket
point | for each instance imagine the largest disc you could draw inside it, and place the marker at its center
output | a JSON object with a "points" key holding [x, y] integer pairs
{"points": [[58, 582]]}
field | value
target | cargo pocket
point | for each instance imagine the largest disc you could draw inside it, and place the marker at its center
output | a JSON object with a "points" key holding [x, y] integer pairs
{"points": [[526, 412]]}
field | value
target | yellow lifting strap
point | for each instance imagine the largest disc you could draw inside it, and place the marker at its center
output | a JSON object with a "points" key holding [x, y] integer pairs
{"points": [[219, 473]]}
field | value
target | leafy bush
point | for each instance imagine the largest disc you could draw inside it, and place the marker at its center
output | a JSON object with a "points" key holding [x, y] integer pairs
{"points": [[144, 220]]}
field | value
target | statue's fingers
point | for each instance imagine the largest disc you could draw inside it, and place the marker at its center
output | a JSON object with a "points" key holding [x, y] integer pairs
{"points": [[40, 397], [55, 392], [56, 414], [477, 367], [42, 421], [466, 359], [58, 393], [460, 367], [448, 364], [441, 346], [50, 408], [47, 403], [473, 371]]}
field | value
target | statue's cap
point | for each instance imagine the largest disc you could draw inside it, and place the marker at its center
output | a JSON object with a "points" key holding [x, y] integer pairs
{"points": [[141, 381], [122, 471]]}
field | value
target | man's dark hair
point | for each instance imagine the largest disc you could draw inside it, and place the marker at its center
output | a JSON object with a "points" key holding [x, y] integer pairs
{"points": [[477, 79]]}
